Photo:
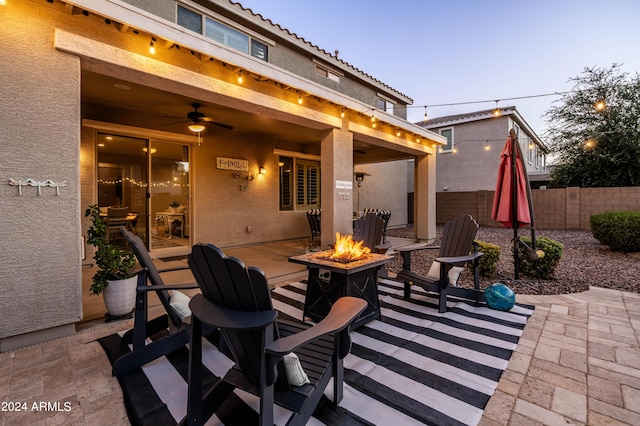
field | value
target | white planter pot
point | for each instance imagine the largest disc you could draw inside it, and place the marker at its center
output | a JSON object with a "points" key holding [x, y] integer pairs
{"points": [[120, 296]]}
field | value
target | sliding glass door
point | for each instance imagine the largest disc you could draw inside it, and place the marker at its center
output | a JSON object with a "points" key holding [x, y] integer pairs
{"points": [[151, 179]]}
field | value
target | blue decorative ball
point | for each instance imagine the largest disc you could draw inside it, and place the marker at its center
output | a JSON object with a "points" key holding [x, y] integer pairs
{"points": [[499, 296]]}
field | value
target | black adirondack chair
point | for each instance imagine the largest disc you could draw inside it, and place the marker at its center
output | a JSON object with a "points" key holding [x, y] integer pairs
{"points": [[456, 248], [175, 305], [385, 215], [313, 216], [369, 229], [236, 300]]}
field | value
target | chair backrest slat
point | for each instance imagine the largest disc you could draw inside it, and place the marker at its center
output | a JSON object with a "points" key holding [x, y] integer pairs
{"points": [[227, 282], [369, 229], [458, 236], [140, 251]]}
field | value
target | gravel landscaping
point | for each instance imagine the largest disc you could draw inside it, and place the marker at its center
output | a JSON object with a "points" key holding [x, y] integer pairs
{"points": [[585, 262]]}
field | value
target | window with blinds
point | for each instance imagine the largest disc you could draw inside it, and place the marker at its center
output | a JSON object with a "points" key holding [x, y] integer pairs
{"points": [[221, 33], [302, 190]]}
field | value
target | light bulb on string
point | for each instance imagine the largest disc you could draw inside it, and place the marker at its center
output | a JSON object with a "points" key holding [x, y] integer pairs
{"points": [[496, 112], [152, 47], [240, 77], [426, 117]]}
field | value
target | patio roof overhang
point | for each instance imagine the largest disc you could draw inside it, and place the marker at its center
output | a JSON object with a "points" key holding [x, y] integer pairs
{"points": [[167, 88]]}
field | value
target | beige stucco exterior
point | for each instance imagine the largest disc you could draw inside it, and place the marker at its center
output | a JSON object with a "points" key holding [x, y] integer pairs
{"points": [[50, 121]]}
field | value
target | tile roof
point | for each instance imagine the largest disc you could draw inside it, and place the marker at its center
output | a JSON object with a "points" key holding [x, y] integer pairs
{"points": [[330, 56], [469, 116]]}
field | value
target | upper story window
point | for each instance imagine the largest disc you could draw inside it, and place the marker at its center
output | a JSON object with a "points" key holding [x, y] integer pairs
{"points": [[447, 133], [222, 33], [326, 72], [532, 152], [385, 105]]}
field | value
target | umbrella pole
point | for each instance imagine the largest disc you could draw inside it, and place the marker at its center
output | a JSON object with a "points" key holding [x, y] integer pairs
{"points": [[514, 204], [529, 202]]}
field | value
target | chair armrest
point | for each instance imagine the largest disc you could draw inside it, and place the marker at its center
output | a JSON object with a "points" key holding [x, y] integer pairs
{"points": [[167, 287], [219, 317], [342, 313], [175, 268], [460, 259], [414, 247]]}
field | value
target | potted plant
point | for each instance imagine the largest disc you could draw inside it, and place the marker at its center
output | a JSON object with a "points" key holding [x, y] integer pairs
{"points": [[173, 206], [114, 276]]}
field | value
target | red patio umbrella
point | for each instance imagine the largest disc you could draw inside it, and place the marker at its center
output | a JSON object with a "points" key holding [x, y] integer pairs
{"points": [[512, 205]]}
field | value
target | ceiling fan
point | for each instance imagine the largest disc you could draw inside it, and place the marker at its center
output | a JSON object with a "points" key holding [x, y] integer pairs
{"points": [[198, 121]]}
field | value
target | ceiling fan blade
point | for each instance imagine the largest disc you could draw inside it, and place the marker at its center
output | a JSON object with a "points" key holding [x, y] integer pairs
{"points": [[176, 122], [224, 126]]}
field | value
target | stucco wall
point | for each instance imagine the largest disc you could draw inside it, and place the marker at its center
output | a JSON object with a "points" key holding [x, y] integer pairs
{"points": [[222, 211], [472, 167], [385, 189], [40, 130]]}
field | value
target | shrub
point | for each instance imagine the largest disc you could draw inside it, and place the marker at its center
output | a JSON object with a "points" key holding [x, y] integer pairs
{"points": [[618, 230], [546, 264], [488, 262]]}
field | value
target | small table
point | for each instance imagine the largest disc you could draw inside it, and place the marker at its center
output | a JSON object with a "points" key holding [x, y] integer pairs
{"points": [[171, 217], [358, 279]]}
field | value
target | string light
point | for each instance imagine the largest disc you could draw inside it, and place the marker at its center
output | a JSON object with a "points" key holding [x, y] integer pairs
{"points": [[299, 98], [342, 113], [426, 117], [600, 105], [486, 146], [240, 77], [496, 112], [152, 47]]}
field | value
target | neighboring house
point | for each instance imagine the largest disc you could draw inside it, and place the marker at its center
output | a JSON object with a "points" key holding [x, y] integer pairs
{"points": [[97, 97], [469, 160]]}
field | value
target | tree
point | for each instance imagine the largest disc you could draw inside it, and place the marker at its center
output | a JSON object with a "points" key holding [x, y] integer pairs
{"points": [[594, 132]]}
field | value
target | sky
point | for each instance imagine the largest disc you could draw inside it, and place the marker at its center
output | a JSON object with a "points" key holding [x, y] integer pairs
{"points": [[450, 51]]}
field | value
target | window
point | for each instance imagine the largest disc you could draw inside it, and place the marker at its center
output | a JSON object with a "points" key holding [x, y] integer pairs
{"points": [[538, 158], [385, 105], [222, 33], [226, 35], [326, 72], [299, 184], [447, 133], [531, 149], [189, 19]]}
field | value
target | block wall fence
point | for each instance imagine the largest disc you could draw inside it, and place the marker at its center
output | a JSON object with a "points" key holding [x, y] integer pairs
{"points": [[563, 208]]}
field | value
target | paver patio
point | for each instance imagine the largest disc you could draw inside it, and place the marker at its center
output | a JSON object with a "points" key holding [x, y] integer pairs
{"points": [[577, 362]]}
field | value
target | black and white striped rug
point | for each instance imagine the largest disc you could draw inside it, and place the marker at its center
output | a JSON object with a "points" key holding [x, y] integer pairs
{"points": [[415, 366]]}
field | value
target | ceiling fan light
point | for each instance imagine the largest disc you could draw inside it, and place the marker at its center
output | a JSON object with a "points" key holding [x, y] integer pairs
{"points": [[196, 128]]}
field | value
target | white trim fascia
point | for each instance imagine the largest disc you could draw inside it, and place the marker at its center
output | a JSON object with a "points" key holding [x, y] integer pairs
{"points": [[296, 154], [106, 126]]}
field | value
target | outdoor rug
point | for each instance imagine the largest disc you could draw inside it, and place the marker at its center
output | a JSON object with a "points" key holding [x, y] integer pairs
{"points": [[414, 366]]}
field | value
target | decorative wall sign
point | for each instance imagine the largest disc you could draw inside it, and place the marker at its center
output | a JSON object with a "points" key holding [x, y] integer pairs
{"points": [[38, 184], [344, 184], [238, 164]]}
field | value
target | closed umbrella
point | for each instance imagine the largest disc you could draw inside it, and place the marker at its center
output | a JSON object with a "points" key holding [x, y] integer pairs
{"points": [[512, 205]]}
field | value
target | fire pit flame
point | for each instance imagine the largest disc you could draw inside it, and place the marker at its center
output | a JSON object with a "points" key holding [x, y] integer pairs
{"points": [[347, 250]]}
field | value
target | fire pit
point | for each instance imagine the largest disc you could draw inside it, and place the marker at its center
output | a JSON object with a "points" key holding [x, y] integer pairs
{"points": [[350, 276]]}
